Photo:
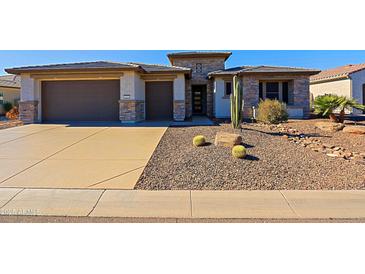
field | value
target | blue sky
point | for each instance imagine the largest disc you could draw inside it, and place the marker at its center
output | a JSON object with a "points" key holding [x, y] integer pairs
{"points": [[312, 59]]}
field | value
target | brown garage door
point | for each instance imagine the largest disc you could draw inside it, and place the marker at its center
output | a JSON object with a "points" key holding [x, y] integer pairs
{"points": [[159, 101], [80, 100]]}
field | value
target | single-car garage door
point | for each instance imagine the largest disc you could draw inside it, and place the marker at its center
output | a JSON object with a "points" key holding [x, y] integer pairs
{"points": [[80, 100], [159, 101]]}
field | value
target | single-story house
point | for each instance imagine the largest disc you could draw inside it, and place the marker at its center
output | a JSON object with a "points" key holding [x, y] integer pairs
{"points": [[9, 90], [196, 83], [346, 81]]}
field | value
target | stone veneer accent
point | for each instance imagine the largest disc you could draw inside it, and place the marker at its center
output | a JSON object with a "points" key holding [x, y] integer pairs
{"points": [[210, 98], [188, 99], [131, 110], [209, 64], [301, 95], [300, 92], [251, 98], [179, 110], [28, 111]]}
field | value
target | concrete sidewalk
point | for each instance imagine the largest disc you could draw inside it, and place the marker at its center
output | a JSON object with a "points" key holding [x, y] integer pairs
{"points": [[184, 204]]}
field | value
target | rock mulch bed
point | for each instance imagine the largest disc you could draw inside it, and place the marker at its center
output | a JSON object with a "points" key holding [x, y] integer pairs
{"points": [[351, 142], [272, 163], [316, 144], [10, 123]]}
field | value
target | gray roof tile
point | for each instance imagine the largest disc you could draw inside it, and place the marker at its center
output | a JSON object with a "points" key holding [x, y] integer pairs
{"points": [[73, 66], [160, 68], [98, 65], [263, 69]]}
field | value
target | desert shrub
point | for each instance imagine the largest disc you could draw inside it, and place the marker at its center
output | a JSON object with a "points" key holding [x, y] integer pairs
{"points": [[7, 106], [239, 152], [272, 112], [199, 140]]}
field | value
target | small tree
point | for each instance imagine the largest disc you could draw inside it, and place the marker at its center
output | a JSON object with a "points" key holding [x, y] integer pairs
{"points": [[236, 103]]}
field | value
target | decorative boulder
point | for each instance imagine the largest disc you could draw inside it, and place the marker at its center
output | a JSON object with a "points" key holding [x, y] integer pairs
{"points": [[227, 139], [329, 126], [354, 129]]}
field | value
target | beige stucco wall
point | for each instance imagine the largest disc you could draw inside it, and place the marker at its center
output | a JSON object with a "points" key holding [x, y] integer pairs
{"points": [[179, 87], [339, 87], [9, 95], [358, 80], [128, 83]]}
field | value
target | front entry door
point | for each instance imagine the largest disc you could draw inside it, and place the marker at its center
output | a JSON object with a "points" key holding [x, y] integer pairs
{"points": [[199, 101]]}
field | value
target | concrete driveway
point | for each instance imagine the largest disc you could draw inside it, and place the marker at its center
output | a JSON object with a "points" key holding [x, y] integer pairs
{"points": [[63, 156]]}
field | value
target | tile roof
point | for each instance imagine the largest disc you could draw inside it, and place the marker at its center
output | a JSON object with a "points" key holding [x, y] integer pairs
{"points": [[337, 73], [225, 54], [160, 68], [263, 69], [10, 81], [98, 65], [73, 66], [230, 71]]}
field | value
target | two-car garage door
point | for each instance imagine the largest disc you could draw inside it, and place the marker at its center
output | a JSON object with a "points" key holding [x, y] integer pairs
{"points": [[84, 100], [98, 100]]}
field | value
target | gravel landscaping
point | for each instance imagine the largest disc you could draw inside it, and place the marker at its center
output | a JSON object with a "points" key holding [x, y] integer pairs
{"points": [[273, 162], [4, 123], [339, 138]]}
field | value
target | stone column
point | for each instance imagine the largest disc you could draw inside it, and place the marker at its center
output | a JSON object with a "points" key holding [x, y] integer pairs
{"points": [[301, 95], [210, 98], [188, 99], [250, 87], [29, 100], [131, 111], [179, 110], [28, 111], [132, 101]]}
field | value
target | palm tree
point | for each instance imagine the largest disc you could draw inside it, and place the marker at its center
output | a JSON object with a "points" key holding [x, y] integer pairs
{"points": [[326, 104], [347, 103]]}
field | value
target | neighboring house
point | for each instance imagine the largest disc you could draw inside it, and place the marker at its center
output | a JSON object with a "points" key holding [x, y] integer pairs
{"points": [[9, 90], [346, 81], [196, 83]]}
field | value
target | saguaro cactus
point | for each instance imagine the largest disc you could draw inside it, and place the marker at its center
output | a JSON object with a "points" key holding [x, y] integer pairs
{"points": [[236, 103]]}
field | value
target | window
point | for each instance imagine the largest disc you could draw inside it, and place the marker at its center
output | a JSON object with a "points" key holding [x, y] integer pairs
{"points": [[261, 91], [285, 92], [228, 89], [199, 68], [1, 98], [272, 90]]}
